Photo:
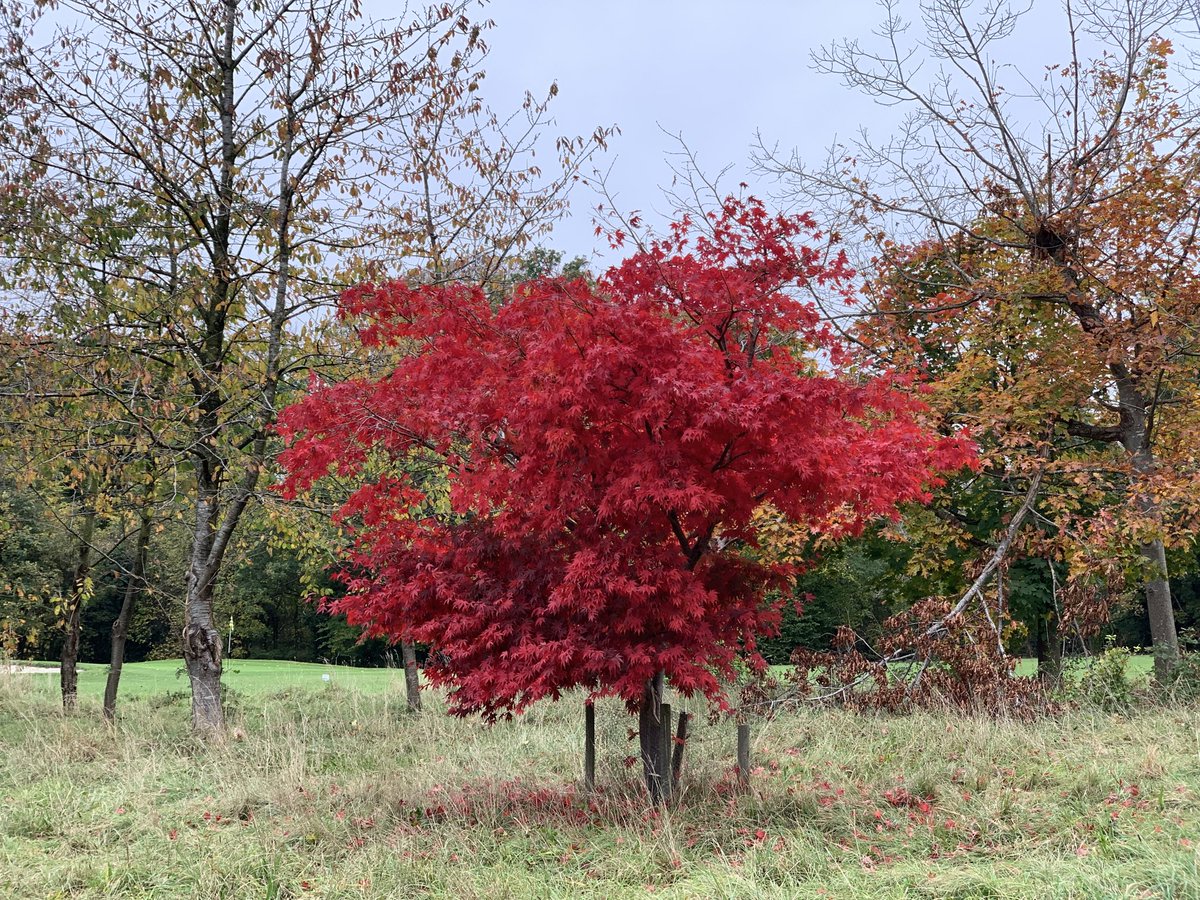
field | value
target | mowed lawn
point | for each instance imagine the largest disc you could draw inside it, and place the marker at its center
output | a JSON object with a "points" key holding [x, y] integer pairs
{"points": [[245, 676], [254, 677], [335, 791]]}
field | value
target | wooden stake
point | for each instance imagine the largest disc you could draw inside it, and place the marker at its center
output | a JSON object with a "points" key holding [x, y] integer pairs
{"points": [[589, 745], [677, 751], [743, 752], [664, 753]]}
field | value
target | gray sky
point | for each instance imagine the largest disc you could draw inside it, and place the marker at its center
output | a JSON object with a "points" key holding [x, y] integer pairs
{"points": [[715, 71]]}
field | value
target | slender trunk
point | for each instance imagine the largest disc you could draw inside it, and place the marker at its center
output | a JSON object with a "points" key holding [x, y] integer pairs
{"points": [[210, 536], [654, 726], [120, 627], [412, 677], [654, 766], [202, 657], [201, 641], [1163, 636], [1159, 608], [69, 671], [666, 783], [215, 519], [69, 666]]}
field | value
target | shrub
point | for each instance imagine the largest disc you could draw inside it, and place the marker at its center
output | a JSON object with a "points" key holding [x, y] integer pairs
{"points": [[1101, 680]]}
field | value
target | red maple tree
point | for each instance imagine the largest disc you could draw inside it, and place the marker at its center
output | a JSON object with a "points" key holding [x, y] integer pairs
{"points": [[601, 450]]}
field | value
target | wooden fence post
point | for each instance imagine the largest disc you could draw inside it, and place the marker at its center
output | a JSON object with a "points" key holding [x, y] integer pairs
{"points": [[677, 751], [743, 752], [664, 753], [589, 745]]}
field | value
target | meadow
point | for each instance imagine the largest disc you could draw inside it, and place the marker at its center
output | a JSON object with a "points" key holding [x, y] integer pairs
{"points": [[334, 790]]}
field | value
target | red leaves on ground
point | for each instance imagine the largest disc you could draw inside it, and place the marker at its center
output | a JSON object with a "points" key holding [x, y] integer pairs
{"points": [[559, 491]]}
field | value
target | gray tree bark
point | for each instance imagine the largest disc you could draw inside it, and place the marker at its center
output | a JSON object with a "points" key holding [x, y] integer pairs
{"points": [[201, 640], [1136, 439], [589, 745]]}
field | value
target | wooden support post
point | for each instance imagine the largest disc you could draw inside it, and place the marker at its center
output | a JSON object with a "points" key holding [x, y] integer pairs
{"points": [[681, 734], [664, 753], [412, 677], [589, 745], [743, 752]]}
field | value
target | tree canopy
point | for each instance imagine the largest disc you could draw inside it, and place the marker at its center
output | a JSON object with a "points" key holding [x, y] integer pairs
{"points": [[602, 449]]}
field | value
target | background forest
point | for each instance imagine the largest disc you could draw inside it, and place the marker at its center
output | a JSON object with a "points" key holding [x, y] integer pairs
{"points": [[860, 584]]}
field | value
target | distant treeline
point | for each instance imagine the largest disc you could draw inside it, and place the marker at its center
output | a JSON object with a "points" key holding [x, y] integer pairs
{"points": [[859, 585], [264, 593]]}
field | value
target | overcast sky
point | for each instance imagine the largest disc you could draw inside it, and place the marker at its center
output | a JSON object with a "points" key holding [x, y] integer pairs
{"points": [[715, 71]]}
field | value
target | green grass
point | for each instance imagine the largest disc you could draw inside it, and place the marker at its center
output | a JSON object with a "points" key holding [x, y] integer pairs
{"points": [[1140, 664], [336, 792], [252, 677], [255, 677]]}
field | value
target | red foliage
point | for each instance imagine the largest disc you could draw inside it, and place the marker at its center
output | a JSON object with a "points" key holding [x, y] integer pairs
{"points": [[603, 448]]}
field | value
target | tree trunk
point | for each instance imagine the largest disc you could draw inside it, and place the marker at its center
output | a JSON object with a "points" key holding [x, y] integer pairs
{"points": [[216, 518], [1137, 408], [1049, 650], [120, 627], [412, 677], [654, 766], [201, 640], [1163, 636], [665, 782], [202, 656], [69, 671]]}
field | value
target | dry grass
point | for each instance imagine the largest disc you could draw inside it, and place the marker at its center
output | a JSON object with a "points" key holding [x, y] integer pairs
{"points": [[338, 793]]}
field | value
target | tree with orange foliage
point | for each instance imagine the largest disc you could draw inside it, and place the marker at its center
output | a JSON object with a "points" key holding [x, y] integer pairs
{"points": [[1050, 285]]}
